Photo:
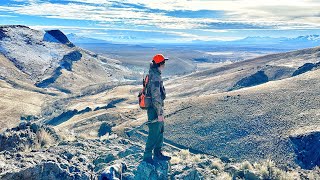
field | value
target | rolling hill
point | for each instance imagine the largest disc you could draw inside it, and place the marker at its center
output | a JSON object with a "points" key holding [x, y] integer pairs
{"points": [[39, 68], [49, 60], [254, 122]]}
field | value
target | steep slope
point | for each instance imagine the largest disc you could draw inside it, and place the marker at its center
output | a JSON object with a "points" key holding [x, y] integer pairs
{"points": [[49, 60]]}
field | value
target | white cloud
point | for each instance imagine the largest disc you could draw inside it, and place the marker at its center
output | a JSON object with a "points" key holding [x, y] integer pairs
{"points": [[271, 12], [284, 14], [279, 14], [7, 16]]}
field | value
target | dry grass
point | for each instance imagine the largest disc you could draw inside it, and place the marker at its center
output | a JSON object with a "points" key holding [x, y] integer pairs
{"points": [[268, 170], [184, 154], [44, 138], [246, 165], [66, 135], [264, 170], [314, 174], [217, 165], [175, 160], [185, 157], [224, 176]]}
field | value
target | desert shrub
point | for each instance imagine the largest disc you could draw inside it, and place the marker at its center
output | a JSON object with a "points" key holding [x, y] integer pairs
{"points": [[217, 164], [44, 138], [294, 175], [314, 174], [196, 158], [224, 176], [268, 170], [184, 154], [175, 160], [246, 165]]}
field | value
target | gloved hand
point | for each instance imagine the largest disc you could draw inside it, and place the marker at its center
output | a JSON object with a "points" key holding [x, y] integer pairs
{"points": [[160, 118]]}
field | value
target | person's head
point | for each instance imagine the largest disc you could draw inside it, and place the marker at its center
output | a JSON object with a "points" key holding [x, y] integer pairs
{"points": [[158, 61]]}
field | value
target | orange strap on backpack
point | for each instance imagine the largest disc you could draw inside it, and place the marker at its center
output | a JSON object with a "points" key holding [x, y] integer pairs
{"points": [[144, 100]]}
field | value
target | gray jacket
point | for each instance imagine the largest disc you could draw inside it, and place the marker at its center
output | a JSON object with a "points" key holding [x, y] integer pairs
{"points": [[157, 90]]}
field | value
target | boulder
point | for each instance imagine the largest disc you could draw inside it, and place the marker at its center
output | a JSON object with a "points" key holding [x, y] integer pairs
{"points": [[191, 174], [46, 170], [146, 171]]}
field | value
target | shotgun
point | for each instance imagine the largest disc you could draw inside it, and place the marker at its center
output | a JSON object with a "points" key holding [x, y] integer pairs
{"points": [[131, 131]]}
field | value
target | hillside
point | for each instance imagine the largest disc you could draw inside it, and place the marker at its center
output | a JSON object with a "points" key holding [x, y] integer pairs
{"points": [[221, 79], [39, 68], [251, 123], [49, 60]]}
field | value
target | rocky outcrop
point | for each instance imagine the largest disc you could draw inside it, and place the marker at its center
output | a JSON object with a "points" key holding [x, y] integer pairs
{"points": [[307, 149], [2, 34], [58, 36], [21, 158], [49, 170], [255, 79], [118, 158], [27, 136], [305, 68], [147, 171]]}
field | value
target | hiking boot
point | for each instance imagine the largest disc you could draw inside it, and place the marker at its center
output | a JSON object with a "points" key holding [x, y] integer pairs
{"points": [[149, 160], [159, 156]]}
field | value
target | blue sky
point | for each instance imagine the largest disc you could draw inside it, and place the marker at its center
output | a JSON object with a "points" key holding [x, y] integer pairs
{"points": [[160, 21]]}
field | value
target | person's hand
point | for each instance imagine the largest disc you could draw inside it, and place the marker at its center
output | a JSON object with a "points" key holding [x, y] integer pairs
{"points": [[160, 118]]}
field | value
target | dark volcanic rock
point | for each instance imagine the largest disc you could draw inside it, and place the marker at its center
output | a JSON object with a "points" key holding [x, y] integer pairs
{"points": [[68, 59], [255, 79], [104, 129], [62, 117], [147, 171], [303, 69], [2, 34], [307, 149], [59, 36]]}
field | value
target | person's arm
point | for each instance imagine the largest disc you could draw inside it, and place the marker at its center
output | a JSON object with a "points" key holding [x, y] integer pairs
{"points": [[156, 96]]}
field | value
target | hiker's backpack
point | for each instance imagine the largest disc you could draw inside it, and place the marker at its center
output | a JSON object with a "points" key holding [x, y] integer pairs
{"points": [[144, 96]]}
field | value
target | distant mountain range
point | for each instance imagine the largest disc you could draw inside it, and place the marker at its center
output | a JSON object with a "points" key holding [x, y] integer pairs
{"points": [[311, 39], [251, 41], [81, 39], [264, 42]]}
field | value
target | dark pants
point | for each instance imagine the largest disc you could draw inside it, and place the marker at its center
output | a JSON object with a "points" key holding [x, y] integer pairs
{"points": [[155, 135]]}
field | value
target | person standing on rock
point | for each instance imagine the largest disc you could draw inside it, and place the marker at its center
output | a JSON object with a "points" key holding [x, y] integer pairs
{"points": [[155, 112]]}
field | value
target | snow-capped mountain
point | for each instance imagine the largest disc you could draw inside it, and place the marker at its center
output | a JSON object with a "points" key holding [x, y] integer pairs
{"points": [[308, 38], [297, 42]]}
